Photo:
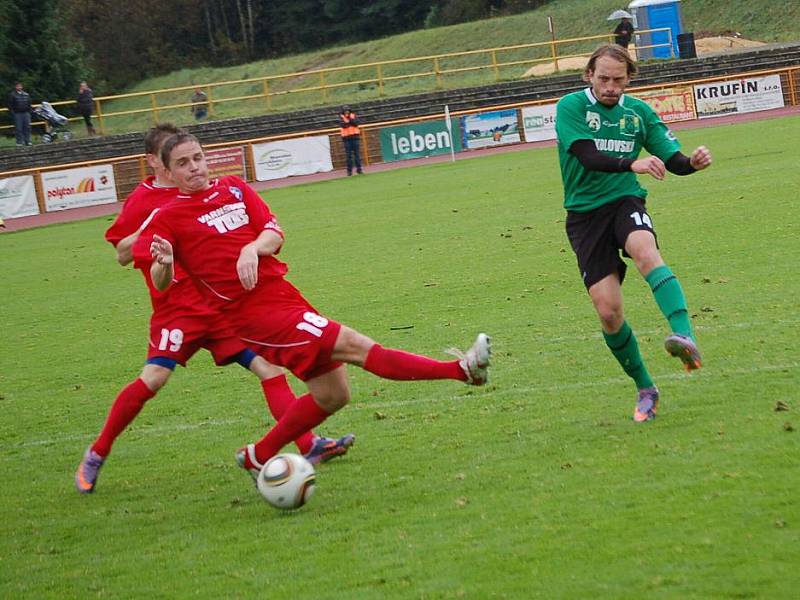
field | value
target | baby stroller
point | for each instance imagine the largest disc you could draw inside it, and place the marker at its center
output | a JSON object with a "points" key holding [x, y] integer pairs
{"points": [[54, 124]]}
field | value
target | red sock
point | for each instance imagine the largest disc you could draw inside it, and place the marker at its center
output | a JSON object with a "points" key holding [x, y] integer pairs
{"points": [[404, 366], [303, 415], [124, 410], [280, 397]]}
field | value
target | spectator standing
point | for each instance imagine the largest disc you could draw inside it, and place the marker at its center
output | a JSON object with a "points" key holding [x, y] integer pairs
{"points": [[351, 136], [199, 104], [623, 32], [85, 105], [19, 103]]}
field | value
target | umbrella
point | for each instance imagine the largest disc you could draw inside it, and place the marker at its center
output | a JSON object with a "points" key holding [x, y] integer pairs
{"points": [[619, 14]]}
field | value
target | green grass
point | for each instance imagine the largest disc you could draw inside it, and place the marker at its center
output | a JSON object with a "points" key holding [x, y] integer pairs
{"points": [[758, 20], [538, 485]]}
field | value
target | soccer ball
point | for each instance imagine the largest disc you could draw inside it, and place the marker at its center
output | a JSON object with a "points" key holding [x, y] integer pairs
{"points": [[286, 481]]}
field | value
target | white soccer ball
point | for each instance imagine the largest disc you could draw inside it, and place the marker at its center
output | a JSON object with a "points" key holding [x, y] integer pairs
{"points": [[286, 481]]}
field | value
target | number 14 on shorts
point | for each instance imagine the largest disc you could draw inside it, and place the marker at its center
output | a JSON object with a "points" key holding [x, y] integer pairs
{"points": [[641, 219]]}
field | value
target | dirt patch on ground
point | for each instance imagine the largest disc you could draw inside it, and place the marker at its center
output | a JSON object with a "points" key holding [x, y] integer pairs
{"points": [[721, 43], [705, 45]]}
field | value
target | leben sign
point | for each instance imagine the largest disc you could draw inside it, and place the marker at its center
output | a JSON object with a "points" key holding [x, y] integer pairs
{"points": [[419, 140]]}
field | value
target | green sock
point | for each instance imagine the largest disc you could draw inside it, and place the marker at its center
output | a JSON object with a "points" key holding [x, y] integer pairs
{"points": [[625, 348], [670, 299]]}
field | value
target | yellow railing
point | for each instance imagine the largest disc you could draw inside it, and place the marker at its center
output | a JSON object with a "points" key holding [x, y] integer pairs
{"points": [[792, 97], [324, 81]]}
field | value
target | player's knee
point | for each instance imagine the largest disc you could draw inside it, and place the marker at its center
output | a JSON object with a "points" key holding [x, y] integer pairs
{"points": [[610, 315], [352, 347], [648, 260], [155, 377], [332, 400], [331, 390]]}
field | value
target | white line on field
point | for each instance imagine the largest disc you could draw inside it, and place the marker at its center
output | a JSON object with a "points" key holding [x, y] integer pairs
{"points": [[640, 333], [510, 391]]}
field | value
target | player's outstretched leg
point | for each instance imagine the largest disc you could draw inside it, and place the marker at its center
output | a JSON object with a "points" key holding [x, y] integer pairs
{"points": [[475, 362], [88, 471], [684, 348], [399, 365], [646, 404]]}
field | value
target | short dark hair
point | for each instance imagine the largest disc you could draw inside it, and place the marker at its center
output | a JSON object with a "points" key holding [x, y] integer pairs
{"points": [[156, 136], [612, 51], [172, 142], [346, 108]]}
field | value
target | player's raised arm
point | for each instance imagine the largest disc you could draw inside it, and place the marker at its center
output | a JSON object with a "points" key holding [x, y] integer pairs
{"points": [[161, 271]]}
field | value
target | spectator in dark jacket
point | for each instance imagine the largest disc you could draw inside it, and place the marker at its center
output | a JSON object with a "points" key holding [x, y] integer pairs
{"points": [[85, 106], [623, 32], [19, 103]]}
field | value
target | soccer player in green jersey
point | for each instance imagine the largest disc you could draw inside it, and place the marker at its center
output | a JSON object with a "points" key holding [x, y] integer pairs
{"points": [[601, 132]]}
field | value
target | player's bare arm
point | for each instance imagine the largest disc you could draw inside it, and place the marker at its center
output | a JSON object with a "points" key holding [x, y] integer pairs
{"points": [[267, 243], [651, 165], [161, 271], [701, 158], [125, 248], [125, 245]]}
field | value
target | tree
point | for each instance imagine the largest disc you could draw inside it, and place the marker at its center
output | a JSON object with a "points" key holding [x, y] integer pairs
{"points": [[36, 49]]}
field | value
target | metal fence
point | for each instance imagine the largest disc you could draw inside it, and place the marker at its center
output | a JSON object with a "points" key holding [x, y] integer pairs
{"points": [[130, 170]]}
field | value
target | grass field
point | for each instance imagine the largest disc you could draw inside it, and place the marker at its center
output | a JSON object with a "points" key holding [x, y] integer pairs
{"points": [[537, 485]]}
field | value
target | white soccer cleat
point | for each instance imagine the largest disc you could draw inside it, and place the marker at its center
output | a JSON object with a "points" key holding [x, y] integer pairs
{"points": [[475, 361]]}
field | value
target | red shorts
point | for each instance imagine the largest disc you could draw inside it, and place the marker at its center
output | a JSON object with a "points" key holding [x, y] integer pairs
{"points": [[278, 323], [179, 337]]}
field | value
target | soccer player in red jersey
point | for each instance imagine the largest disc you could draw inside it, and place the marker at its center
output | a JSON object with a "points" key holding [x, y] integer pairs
{"points": [[181, 324], [227, 239]]}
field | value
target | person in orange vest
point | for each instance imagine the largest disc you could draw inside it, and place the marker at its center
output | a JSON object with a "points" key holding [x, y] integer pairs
{"points": [[351, 136]]}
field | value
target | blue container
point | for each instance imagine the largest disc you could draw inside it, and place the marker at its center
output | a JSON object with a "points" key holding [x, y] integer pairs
{"points": [[653, 14]]}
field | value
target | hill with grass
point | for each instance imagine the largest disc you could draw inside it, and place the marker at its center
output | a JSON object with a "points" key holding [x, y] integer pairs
{"points": [[756, 20]]}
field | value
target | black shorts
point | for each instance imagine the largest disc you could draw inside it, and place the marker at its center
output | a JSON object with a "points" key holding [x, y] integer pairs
{"points": [[598, 236]]}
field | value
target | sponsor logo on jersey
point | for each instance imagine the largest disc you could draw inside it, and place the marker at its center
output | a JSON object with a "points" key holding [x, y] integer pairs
{"points": [[593, 120], [226, 218], [236, 192], [615, 145], [629, 124]]}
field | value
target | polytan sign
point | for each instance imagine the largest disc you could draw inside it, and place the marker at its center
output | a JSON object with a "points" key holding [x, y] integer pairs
{"points": [[418, 140], [74, 188], [539, 122], [671, 104], [490, 129], [18, 197], [301, 156], [225, 161], [738, 96]]}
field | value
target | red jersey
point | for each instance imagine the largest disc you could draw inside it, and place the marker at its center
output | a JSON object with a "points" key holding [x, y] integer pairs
{"points": [[138, 207], [207, 231]]}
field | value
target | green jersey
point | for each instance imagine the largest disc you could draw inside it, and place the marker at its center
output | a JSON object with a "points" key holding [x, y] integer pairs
{"points": [[622, 131]]}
